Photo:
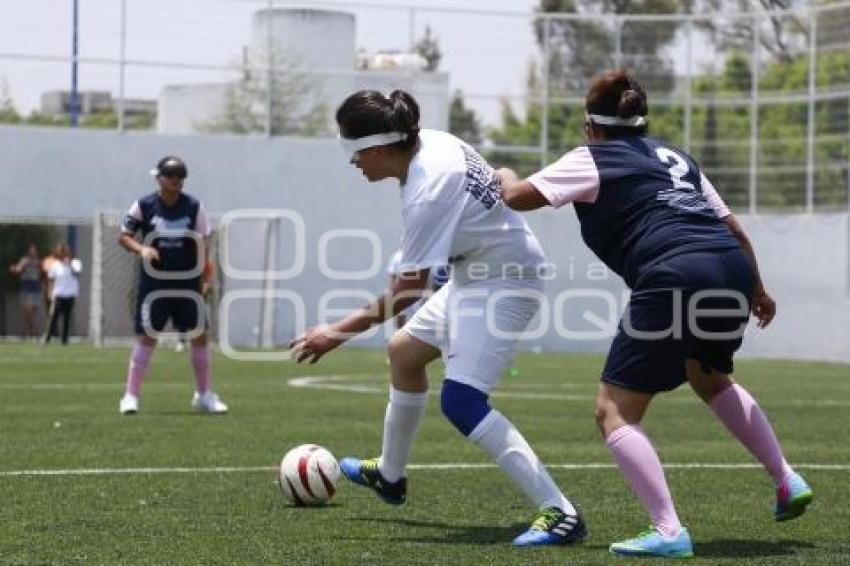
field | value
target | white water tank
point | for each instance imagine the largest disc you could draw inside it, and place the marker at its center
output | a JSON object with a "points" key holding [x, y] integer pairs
{"points": [[316, 39]]}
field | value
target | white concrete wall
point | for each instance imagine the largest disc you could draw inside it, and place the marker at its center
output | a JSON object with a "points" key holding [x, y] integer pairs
{"points": [[320, 44], [316, 39], [64, 173]]}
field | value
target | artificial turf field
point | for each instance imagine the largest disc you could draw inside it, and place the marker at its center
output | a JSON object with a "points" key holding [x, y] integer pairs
{"points": [[81, 484]]}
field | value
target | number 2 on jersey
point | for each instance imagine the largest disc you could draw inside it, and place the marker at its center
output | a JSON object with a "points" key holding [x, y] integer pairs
{"points": [[684, 195], [678, 170]]}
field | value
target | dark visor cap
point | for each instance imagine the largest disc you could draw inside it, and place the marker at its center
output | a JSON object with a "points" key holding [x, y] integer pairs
{"points": [[171, 167]]}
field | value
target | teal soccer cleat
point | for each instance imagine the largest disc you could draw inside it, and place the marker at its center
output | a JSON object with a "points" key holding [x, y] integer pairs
{"points": [[792, 497], [553, 526], [366, 473], [652, 543]]}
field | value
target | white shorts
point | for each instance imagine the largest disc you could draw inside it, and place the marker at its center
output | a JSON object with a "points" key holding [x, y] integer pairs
{"points": [[477, 326]]}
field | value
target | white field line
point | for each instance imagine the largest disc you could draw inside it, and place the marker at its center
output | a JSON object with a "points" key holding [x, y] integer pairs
{"points": [[337, 383], [345, 384], [425, 467], [117, 386]]}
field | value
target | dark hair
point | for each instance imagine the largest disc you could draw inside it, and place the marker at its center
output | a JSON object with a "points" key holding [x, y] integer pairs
{"points": [[369, 112], [617, 93], [171, 166]]}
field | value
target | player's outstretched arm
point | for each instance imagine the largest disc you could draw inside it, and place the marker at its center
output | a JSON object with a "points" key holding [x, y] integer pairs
{"points": [[319, 340], [764, 307], [518, 194]]}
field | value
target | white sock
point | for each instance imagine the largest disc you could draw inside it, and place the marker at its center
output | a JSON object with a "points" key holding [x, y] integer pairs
{"points": [[404, 413], [499, 438]]}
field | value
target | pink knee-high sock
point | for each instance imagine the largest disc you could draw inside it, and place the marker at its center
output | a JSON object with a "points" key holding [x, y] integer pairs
{"points": [[140, 358], [642, 469], [201, 365], [744, 418]]}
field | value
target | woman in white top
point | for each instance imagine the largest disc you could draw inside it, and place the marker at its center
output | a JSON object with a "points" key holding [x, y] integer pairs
{"points": [[452, 213], [63, 289]]}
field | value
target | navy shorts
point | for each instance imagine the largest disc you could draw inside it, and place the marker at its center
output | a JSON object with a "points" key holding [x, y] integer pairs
{"points": [[675, 314], [153, 312]]}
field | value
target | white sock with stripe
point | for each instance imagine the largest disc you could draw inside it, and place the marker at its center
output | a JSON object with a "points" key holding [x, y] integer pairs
{"points": [[499, 438], [404, 414]]}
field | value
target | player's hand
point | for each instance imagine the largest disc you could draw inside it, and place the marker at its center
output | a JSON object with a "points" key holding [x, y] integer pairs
{"points": [[313, 344], [764, 307], [148, 253], [506, 176]]}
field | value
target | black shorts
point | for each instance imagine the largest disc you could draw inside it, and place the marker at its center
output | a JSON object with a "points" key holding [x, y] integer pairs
{"points": [[155, 306], [692, 306]]}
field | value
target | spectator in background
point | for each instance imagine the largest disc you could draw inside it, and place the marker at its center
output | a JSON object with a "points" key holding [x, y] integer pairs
{"points": [[28, 270], [46, 264], [63, 289]]}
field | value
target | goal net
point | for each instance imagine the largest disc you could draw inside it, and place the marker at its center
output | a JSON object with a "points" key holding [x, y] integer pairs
{"points": [[114, 282]]}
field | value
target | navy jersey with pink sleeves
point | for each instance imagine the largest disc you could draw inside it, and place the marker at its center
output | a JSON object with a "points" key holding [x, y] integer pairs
{"points": [[150, 214], [639, 202]]}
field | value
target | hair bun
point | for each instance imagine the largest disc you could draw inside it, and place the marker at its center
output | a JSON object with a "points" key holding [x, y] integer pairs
{"points": [[632, 103], [405, 113]]}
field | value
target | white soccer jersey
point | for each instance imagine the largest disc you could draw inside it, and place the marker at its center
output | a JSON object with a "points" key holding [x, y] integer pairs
{"points": [[452, 213]]}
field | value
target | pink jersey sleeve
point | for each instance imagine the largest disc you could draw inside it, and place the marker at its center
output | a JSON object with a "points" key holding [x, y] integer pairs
{"points": [[132, 219], [573, 178], [713, 197], [202, 223]]}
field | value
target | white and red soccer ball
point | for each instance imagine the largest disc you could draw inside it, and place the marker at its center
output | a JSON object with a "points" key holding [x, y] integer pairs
{"points": [[308, 475]]}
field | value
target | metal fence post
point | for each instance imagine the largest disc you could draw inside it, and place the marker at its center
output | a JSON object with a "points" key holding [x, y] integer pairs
{"points": [[618, 41], [754, 120], [411, 27], [544, 110], [810, 132], [270, 72], [686, 134], [122, 65]]}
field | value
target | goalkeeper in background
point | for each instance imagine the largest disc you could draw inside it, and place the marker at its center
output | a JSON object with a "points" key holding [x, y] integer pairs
{"points": [[173, 226]]}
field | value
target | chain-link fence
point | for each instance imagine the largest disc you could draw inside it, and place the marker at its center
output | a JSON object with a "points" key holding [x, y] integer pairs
{"points": [[760, 98]]}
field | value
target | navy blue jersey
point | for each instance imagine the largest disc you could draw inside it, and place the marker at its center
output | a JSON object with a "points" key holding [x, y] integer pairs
{"points": [[639, 202], [150, 214]]}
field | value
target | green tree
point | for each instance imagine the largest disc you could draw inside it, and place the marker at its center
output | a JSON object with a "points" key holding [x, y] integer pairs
{"points": [[8, 112], [429, 48], [783, 36], [108, 120], [247, 106], [463, 122], [579, 48]]}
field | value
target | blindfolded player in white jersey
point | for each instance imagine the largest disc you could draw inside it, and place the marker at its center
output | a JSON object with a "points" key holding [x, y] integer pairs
{"points": [[451, 213]]}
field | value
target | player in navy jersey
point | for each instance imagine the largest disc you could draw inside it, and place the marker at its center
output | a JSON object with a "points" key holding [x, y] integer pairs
{"points": [[648, 212], [174, 229]]}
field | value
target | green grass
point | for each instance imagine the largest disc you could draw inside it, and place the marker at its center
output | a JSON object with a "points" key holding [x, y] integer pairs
{"points": [[58, 411]]}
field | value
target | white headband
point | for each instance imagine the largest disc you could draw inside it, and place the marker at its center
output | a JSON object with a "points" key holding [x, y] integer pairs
{"points": [[352, 146], [616, 120]]}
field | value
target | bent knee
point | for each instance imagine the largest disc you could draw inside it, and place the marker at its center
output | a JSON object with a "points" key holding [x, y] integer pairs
{"points": [[395, 347], [599, 415], [464, 406], [707, 385]]}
